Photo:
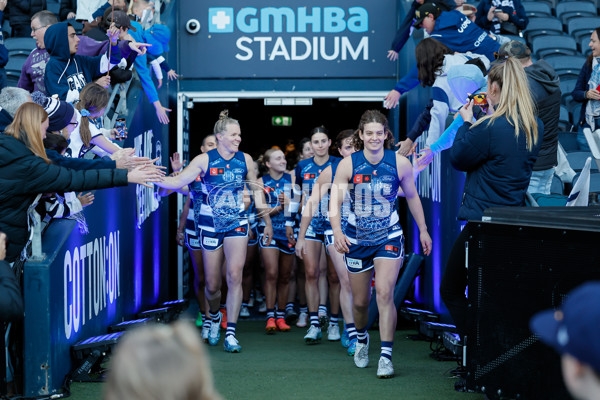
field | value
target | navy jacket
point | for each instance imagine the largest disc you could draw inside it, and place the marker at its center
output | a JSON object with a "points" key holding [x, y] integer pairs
{"points": [[581, 86], [80, 163], [514, 9], [23, 175], [67, 72], [11, 301], [498, 166]]}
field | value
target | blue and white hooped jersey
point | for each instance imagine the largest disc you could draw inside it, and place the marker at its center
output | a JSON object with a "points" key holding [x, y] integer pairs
{"points": [[373, 218], [220, 193], [273, 188], [307, 173]]}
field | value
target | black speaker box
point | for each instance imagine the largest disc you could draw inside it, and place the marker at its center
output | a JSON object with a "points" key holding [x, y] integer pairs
{"points": [[518, 265]]}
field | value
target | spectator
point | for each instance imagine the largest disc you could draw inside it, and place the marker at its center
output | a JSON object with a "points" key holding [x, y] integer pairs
{"points": [[453, 29], [498, 153], [20, 13], [158, 37], [98, 15], [545, 89], [62, 205], [88, 134], [11, 98], [142, 8], [3, 50], [26, 172], [586, 92], [572, 331], [406, 26], [32, 72], [501, 16], [64, 119], [68, 9], [66, 72], [11, 301], [160, 362], [86, 8]]}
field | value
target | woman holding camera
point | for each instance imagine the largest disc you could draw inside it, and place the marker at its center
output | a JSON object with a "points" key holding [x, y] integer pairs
{"points": [[497, 152]]}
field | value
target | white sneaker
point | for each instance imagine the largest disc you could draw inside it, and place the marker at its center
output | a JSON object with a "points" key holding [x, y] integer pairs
{"points": [[385, 369], [313, 336], [333, 333], [361, 354], [262, 308], [302, 320], [244, 312], [214, 332], [231, 344], [205, 330]]}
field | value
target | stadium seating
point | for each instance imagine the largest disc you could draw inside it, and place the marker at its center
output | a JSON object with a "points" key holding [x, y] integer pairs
{"points": [[581, 27], [566, 66], [543, 26], [564, 122], [19, 47], [568, 140], [569, 10], [537, 9], [584, 46], [543, 46], [577, 160]]}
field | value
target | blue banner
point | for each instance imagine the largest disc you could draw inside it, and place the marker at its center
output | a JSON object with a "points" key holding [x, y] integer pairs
{"points": [[283, 39], [88, 282]]}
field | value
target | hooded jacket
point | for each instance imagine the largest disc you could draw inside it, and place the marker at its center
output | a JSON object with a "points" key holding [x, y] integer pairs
{"points": [[11, 302], [67, 74], [23, 175], [497, 164], [545, 90]]}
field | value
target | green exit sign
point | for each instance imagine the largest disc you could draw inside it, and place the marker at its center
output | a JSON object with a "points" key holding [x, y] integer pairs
{"points": [[281, 121]]}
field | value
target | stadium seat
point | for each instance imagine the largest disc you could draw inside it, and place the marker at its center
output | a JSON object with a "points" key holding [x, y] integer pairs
{"points": [[537, 9], [566, 66], [568, 140], [564, 121], [543, 46], [594, 180], [568, 10], [557, 187], [13, 70], [581, 27], [543, 26], [584, 46], [575, 110], [577, 160], [551, 3], [566, 87], [19, 47]]}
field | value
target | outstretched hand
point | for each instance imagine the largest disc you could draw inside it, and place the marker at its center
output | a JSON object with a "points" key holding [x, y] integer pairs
{"points": [[391, 100]]}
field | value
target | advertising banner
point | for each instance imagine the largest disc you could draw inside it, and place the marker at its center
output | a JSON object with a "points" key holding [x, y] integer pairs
{"points": [[286, 39]]}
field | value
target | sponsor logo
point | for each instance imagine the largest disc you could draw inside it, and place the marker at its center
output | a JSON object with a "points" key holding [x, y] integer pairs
{"points": [[240, 229], [198, 178], [211, 242], [217, 171], [309, 176], [354, 262], [362, 178], [389, 247]]}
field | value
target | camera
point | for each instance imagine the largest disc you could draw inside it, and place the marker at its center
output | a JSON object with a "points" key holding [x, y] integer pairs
{"points": [[192, 26]]}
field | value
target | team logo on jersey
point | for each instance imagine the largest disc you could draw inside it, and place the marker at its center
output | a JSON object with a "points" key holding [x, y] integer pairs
{"points": [[217, 171], [269, 189], [198, 178], [309, 176], [389, 247], [362, 178], [228, 176]]}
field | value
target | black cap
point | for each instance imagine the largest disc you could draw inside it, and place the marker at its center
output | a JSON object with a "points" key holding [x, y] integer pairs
{"points": [[424, 11]]}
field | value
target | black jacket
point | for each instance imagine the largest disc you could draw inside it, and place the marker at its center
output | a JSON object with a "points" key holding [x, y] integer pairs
{"points": [[545, 89], [23, 175], [67, 6], [582, 86], [21, 11], [11, 301], [498, 166]]}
